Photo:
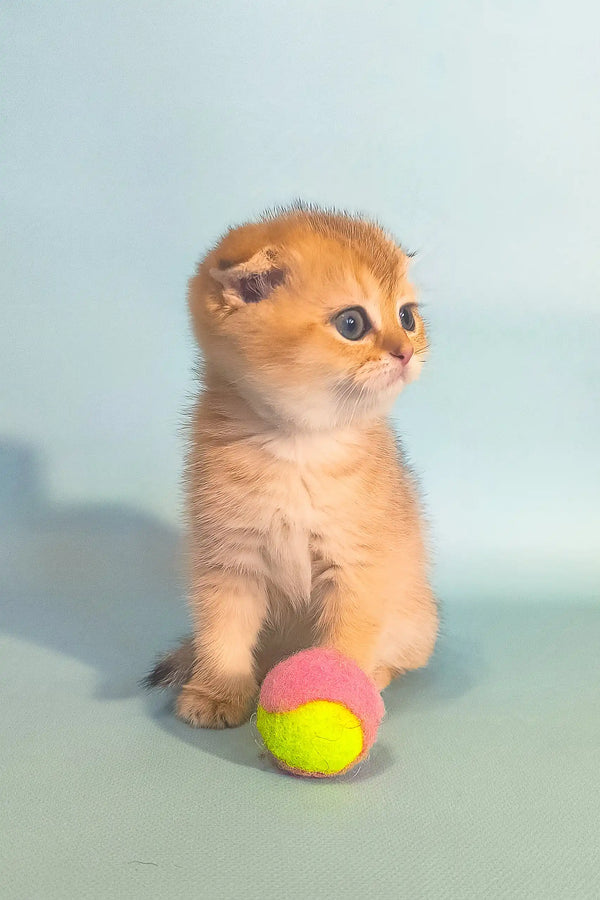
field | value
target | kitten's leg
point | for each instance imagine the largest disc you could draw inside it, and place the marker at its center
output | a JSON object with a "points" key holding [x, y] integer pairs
{"points": [[384, 638], [349, 620], [410, 632], [383, 675], [228, 610]]}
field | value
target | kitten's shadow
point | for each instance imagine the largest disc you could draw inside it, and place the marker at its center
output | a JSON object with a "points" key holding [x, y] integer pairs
{"points": [[456, 666], [103, 584]]}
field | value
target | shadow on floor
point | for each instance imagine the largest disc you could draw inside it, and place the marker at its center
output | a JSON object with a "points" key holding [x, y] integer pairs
{"points": [[104, 584], [101, 583]]}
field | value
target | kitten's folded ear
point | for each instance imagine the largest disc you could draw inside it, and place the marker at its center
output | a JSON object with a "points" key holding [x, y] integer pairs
{"points": [[250, 281]]}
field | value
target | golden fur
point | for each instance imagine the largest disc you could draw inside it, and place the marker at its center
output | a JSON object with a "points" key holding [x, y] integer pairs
{"points": [[303, 523]]}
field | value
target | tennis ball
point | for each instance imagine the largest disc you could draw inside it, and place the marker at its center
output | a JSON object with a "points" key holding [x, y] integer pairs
{"points": [[318, 713]]}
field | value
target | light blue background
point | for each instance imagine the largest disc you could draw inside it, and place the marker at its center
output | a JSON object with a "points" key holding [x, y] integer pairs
{"points": [[136, 132], [133, 134]]}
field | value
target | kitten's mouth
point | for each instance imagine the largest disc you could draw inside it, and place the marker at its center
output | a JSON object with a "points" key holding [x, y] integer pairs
{"points": [[391, 376], [372, 384], [368, 389]]}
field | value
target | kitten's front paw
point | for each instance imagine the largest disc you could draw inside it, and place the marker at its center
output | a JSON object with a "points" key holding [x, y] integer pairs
{"points": [[201, 709]]}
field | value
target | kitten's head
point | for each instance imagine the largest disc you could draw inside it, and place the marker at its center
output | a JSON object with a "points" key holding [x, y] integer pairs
{"points": [[310, 317]]}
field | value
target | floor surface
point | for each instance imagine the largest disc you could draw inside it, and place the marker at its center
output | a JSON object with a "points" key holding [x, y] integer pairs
{"points": [[484, 781]]}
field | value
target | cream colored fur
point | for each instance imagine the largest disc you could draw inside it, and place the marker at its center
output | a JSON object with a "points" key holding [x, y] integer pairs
{"points": [[303, 523]]}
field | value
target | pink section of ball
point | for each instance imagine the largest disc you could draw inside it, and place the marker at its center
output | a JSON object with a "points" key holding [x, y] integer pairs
{"points": [[322, 673]]}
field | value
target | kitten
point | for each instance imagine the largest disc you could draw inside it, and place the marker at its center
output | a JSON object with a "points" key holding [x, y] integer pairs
{"points": [[303, 522]]}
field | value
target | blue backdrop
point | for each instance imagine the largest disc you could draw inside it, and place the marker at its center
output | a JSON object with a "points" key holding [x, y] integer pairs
{"points": [[136, 132]]}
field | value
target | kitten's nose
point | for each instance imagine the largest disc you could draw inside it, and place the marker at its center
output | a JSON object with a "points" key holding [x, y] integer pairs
{"points": [[403, 352]]}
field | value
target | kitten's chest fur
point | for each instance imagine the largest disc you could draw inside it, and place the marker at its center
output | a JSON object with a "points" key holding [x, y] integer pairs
{"points": [[291, 509], [305, 508], [289, 554]]}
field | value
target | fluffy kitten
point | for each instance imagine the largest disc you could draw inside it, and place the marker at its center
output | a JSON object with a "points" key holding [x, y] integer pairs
{"points": [[303, 523]]}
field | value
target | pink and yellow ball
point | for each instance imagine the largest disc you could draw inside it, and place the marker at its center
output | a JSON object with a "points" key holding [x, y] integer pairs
{"points": [[318, 713]]}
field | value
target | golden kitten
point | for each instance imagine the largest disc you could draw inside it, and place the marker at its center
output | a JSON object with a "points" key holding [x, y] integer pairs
{"points": [[303, 523]]}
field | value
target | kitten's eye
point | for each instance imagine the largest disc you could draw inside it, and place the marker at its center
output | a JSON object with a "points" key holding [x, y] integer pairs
{"points": [[353, 323], [407, 319]]}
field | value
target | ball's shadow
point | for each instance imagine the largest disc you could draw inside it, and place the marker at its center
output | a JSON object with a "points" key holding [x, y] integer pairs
{"points": [[243, 746]]}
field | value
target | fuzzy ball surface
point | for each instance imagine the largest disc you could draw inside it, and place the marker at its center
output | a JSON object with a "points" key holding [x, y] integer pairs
{"points": [[318, 713]]}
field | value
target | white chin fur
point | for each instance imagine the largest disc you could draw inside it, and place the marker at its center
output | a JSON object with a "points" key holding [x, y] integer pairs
{"points": [[323, 409], [412, 371]]}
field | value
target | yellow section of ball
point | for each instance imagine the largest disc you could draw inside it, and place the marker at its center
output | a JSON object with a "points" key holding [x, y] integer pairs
{"points": [[320, 737]]}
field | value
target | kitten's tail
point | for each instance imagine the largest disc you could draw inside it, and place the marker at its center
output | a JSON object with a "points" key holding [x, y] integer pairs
{"points": [[174, 669]]}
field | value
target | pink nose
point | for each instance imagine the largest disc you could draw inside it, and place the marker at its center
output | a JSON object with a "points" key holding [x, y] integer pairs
{"points": [[403, 353]]}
